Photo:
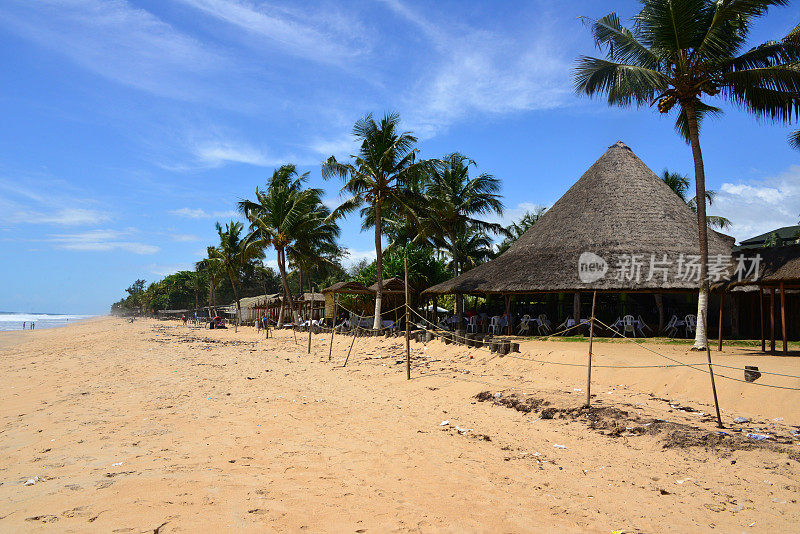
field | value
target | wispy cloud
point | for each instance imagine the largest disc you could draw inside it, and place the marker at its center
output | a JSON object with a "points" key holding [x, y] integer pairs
{"points": [[325, 35], [199, 213], [758, 206], [118, 41], [166, 270], [355, 256], [482, 71], [63, 217], [101, 241], [184, 238]]}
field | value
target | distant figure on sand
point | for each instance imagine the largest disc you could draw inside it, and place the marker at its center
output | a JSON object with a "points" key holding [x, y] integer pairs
{"points": [[185, 320], [33, 325], [23, 324]]}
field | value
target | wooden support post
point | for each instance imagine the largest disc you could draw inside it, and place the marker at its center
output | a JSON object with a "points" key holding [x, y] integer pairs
{"points": [[761, 308], [711, 373], [408, 325], [308, 320], [783, 318], [721, 304], [333, 328], [508, 314], [589, 364], [772, 319], [350, 349]]}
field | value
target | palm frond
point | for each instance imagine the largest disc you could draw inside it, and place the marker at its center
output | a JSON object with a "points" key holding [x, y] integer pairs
{"points": [[624, 84]]}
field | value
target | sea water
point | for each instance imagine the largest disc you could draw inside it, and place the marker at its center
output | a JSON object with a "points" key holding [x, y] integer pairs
{"points": [[13, 320]]}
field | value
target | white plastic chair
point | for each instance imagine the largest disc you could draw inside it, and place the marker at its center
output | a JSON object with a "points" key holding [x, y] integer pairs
{"points": [[473, 323], [642, 325], [629, 325], [672, 326], [523, 324], [544, 325], [494, 325], [691, 324]]}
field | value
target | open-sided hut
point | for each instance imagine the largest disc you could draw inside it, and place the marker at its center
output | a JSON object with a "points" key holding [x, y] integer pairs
{"points": [[619, 228], [777, 278]]}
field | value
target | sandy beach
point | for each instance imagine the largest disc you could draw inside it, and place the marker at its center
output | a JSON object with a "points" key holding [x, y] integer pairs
{"points": [[155, 427]]}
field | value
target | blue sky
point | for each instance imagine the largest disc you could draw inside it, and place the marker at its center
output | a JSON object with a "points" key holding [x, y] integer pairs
{"points": [[132, 126]]}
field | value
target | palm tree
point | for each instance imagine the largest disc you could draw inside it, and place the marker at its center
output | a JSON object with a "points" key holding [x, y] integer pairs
{"points": [[680, 184], [454, 200], [794, 139], [379, 177], [213, 273], [290, 219], [232, 255], [681, 52], [516, 229]]}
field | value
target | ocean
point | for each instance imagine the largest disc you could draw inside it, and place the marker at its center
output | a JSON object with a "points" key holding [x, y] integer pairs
{"points": [[13, 320]]}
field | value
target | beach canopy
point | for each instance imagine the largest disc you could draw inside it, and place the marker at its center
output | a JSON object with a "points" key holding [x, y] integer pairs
{"points": [[778, 265], [618, 215]]}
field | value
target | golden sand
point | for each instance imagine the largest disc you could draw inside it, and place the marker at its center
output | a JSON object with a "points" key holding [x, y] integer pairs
{"points": [[152, 426]]}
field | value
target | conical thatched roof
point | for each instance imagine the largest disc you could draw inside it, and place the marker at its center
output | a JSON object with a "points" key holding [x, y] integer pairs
{"points": [[348, 287], [618, 208]]}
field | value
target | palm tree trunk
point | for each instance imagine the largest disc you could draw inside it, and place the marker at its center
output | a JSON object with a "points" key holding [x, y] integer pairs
{"points": [[214, 297], [660, 308], [376, 324], [459, 298], [286, 291], [700, 338], [238, 305]]}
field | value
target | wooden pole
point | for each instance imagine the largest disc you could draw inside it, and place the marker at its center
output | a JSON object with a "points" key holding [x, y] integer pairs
{"points": [[711, 373], [783, 318], [772, 319], [333, 328], [589, 364], [761, 306], [408, 325], [350, 349], [721, 304], [308, 320]]}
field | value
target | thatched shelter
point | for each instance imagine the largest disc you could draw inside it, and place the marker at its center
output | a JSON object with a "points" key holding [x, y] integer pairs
{"points": [[348, 288], [618, 208], [392, 286], [778, 275]]}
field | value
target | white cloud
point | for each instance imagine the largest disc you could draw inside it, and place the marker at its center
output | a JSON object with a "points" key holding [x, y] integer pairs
{"points": [[342, 148], [184, 238], [758, 206], [101, 241], [355, 256], [119, 42], [325, 35], [511, 215], [483, 71], [199, 213], [218, 154], [64, 217]]}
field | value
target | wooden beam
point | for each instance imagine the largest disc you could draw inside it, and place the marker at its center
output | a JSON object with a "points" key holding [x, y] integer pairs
{"points": [[772, 319], [721, 304], [783, 319], [761, 307]]}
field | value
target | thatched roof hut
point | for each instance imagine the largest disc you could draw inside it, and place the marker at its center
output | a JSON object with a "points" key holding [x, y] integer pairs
{"points": [[348, 287], [392, 285], [617, 209], [778, 265]]}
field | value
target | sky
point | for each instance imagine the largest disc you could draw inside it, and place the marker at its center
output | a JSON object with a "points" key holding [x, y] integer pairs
{"points": [[131, 126]]}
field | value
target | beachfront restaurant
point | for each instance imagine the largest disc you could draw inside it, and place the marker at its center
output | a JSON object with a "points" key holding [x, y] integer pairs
{"points": [[619, 239]]}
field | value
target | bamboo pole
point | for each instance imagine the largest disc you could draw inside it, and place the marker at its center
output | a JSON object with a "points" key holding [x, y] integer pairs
{"points": [[350, 349], [721, 304], [333, 328], [711, 373], [589, 364], [783, 318], [408, 324]]}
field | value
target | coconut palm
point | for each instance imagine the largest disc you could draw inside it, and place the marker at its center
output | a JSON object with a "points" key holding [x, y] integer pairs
{"points": [[213, 274], [680, 184], [681, 53], [379, 177], [516, 229], [290, 219], [794, 139], [232, 255], [454, 201]]}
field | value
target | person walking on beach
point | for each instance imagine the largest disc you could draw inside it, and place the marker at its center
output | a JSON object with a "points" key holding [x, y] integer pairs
{"points": [[33, 325], [23, 324]]}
